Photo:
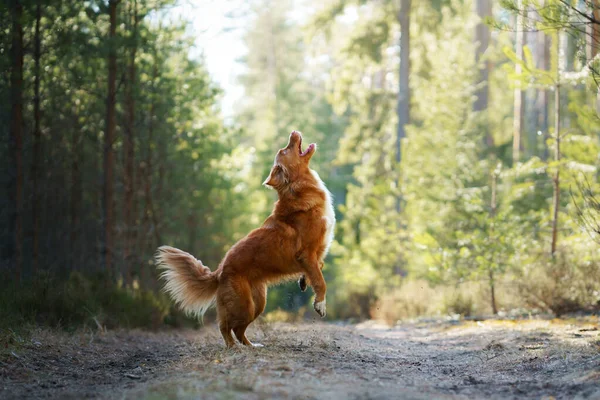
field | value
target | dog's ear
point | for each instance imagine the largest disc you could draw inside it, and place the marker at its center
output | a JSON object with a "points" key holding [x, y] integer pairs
{"points": [[276, 178]]}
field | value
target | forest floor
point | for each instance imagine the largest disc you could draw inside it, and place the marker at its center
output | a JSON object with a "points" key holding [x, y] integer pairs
{"points": [[488, 359]]}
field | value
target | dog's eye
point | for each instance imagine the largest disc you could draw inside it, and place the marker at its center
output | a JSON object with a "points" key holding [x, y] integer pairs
{"points": [[283, 152]]}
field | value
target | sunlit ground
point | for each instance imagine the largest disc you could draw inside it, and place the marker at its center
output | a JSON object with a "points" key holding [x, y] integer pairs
{"points": [[416, 360]]}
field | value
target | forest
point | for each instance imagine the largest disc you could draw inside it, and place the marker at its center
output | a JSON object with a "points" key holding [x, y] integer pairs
{"points": [[460, 139]]}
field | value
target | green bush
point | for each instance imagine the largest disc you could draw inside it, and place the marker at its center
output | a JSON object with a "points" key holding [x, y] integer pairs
{"points": [[566, 283], [83, 301]]}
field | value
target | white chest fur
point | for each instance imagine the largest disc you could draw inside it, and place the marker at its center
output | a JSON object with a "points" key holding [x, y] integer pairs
{"points": [[329, 214]]}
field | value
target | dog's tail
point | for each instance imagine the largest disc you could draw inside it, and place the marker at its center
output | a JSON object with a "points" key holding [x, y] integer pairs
{"points": [[192, 285]]}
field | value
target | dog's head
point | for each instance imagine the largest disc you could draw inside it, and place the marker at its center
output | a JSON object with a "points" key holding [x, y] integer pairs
{"points": [[291, 163]]}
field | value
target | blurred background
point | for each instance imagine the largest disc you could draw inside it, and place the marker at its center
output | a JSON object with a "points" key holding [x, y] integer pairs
{"points": [[460, 139]]}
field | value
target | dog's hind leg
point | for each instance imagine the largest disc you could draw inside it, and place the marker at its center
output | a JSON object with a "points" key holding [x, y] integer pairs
{"points": [[226, 299], [259, 299], [237, 307], [240, 334], [226, 333]]}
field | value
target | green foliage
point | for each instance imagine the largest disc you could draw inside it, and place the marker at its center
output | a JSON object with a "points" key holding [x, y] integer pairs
{"points": [[469, 213], [187, 165], [284, 92], [567, 283], [80, 302], [456, 212]]}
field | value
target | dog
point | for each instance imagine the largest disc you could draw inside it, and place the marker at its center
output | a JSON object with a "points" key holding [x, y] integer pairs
{"points": [[293, 241]]}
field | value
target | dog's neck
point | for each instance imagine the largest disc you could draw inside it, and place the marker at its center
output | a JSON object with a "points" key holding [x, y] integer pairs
{"points": [[301, 195]]}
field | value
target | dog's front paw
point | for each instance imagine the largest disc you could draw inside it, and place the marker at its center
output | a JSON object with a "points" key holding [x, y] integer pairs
{"points": [[302, 283], [320, 308]]}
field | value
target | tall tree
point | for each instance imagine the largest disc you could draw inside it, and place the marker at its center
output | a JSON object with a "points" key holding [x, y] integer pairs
{"points": [[557, 139], [16, 129], [593, 47], [518, 106], [482, 39], [109, 138], [37, 54], [75, 197], [129, 146], [542, 47], [403, 109]]}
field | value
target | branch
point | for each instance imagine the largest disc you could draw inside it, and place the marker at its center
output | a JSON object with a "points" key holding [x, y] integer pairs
{"points": [[584, 15]]}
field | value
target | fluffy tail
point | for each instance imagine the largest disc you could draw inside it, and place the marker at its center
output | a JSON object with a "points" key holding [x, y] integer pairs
{"points": [[192, 285]]}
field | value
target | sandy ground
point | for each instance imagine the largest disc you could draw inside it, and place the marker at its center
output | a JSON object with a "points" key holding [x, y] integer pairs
{"points": [[490, 359]]}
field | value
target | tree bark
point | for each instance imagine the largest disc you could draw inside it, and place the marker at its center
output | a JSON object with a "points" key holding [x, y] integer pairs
{"points": [[592, 31], [16, 136], [76, 193], [493, 292], [541, 104], [109, 137], [556, 179], [35, 173], [492, 282], [150, 211], [129, 155], [518, 96], [403, 108], [594, 45], [482, 38]]}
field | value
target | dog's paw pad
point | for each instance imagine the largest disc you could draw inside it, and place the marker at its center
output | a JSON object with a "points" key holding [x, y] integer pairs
{"points": [[320, 308]]}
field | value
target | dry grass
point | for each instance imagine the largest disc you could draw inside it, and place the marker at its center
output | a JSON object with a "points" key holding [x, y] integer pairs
{"points": [[417, 298]]}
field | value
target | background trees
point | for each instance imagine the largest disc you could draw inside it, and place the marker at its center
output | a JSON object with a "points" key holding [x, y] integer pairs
{"points": [[460, 141], [110, 122]]}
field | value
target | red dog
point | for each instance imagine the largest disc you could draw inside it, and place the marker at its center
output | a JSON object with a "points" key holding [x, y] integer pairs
{"points": [[292, 241]]}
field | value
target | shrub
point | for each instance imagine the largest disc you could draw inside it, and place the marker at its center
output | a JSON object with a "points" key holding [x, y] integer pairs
{"points": [[80, 301], [414, 298], [567, 283], [458, 303], [352, 304]]}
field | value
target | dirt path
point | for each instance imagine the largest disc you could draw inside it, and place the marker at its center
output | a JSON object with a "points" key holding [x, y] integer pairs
{"points": [[492, 359]]}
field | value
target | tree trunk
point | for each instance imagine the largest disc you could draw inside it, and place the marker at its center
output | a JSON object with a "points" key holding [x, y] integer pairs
{"points": [[16, 136], [403, 108], [482, 38], [35, 173], [109, 137], [149, 164], [594, 45], [556, 179], [518, 97], [129, 156], [192, 231], [76, 193], [493, 292], [541, 104], [592, 31], [490, 270], [596, 28]]}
